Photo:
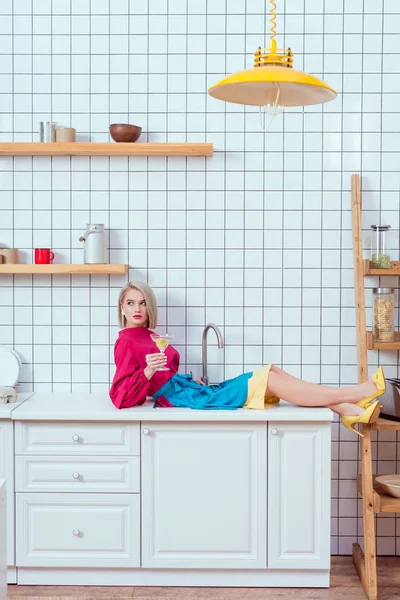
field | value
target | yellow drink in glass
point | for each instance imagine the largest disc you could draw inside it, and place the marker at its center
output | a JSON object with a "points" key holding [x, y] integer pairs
{"points": [[162, 342]]}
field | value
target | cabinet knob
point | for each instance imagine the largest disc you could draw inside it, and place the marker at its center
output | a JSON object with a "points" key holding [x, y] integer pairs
{"points": [[75, 437], [274, 431], [146, 431], [76, 531], [75, 475]]}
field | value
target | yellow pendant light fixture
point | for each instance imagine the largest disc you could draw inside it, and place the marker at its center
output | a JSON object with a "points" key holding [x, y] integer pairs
{"points": [[272, 82]]}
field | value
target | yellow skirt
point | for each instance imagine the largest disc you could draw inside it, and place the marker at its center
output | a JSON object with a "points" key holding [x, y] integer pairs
{"points": [[257, 386]]}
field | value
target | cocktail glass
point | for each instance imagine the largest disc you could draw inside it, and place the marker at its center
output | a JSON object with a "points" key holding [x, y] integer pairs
{"points": [[162, 341]]}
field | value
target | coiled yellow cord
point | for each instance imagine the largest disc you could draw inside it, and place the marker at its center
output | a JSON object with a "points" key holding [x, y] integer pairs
{"points": [[273, 19], [273, 55]]}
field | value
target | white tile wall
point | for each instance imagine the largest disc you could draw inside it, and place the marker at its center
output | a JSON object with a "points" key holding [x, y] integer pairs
{"points": [[256, 239]]}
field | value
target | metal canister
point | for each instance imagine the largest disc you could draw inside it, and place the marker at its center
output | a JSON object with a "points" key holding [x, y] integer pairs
{"points": [[47, 131]]}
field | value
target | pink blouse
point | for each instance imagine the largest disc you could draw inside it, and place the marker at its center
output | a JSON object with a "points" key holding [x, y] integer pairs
{"points": [[130, 385]]}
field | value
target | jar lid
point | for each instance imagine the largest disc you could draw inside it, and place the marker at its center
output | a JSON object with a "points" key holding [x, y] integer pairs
{"points": [[383, 290]]}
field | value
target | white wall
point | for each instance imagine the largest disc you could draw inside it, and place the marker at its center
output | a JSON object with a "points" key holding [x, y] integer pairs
{"points": [[256, 239]]}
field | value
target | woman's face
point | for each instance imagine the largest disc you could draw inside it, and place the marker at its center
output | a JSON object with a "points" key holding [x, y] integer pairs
{"points": [[135, 309]]}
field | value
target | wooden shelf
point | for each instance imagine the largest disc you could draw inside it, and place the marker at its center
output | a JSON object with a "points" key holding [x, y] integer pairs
{"points": [[79, 269], [369, 271], [104, 149], [371, 345], [382, 502], [386, 425]]}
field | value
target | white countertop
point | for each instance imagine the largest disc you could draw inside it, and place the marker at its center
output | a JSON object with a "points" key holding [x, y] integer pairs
{"points": [[83, 406], [7, 409]]}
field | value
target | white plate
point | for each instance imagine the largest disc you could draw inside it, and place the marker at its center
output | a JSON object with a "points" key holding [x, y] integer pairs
{"points": [[17, 356], [10, 367]]}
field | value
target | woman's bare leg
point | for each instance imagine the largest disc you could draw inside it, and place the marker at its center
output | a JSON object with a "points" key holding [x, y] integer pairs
{"points": [[275, 369], [343, 409], [302, 393]]}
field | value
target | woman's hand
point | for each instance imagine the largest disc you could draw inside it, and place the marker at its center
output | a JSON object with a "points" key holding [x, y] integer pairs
{"points": [[154, 361], [198, 381]]}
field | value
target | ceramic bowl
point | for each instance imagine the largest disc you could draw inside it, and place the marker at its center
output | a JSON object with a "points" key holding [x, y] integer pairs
{"points": [[122, 132], [390, 484]]}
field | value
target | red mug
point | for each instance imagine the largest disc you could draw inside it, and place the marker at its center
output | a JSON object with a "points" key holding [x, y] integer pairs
{"points": [[43, 256]]}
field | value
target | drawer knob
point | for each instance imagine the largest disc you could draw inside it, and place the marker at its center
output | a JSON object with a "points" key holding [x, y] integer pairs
{"points": [[76, 475], [76, 531], [75, 437], [146, 431], [274, 431]]}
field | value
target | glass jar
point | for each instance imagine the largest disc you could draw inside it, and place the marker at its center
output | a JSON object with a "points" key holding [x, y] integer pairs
{"points": [[383, 302], [380, 259]]}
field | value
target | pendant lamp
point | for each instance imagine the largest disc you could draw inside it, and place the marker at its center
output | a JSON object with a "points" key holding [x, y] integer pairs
{"points": [[272, 82]]}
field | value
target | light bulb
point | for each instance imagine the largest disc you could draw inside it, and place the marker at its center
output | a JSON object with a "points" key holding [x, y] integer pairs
{"points": [[271, 109]]}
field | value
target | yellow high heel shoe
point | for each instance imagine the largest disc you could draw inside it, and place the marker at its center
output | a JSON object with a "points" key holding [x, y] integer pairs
{"points": [[379, 379], [370, 415]]}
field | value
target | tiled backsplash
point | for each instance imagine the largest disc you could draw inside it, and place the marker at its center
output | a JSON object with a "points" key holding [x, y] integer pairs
{"points": [[256, 239]]}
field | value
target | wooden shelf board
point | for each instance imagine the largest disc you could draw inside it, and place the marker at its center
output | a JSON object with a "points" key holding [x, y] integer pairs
{"points": [[104, 149], [382, 502], [369, 271], [371, 345], [376, 495], [54, 269], [386, 424]]}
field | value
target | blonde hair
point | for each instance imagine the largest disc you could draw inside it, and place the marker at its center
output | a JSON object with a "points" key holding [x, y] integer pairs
{"points": [[150, 299]]}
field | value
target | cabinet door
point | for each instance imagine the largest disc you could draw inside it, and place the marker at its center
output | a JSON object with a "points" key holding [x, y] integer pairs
{"points": [[7, 473], [78, 530], [204, 495], [299, 495]]}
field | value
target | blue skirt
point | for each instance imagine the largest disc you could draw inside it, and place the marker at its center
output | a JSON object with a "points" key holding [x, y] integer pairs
{"points": [[182, 391]]}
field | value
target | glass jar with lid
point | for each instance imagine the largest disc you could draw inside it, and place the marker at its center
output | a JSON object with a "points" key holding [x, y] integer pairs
{"points": [[383, 303], [380, 259]]}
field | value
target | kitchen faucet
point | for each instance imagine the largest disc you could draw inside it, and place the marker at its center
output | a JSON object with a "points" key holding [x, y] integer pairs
{"points": [[204, 376]]}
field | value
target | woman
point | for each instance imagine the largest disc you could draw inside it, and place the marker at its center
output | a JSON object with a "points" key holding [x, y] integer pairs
{"points": [[136, 377]]}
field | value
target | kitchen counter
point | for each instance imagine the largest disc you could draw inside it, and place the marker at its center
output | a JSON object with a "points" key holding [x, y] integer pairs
{"points": [[81, 406], [7, 409], [166, 496]]}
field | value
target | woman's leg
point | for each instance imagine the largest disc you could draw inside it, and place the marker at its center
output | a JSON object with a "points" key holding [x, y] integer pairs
{"points": [[275, 369], [302, 393]]}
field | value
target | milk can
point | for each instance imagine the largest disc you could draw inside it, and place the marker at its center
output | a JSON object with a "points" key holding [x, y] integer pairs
{"points": [[95, 244], [383, 301]]}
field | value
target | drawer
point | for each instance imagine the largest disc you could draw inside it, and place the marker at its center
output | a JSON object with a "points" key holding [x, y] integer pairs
{"points": [[66, 438], [76, 474], [78, 530]]}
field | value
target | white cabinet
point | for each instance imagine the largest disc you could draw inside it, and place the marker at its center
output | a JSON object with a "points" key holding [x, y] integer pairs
{"points": [[168, 497], [204, 495], [7, 473], [81, 530], [86, 509], [299, 495]]}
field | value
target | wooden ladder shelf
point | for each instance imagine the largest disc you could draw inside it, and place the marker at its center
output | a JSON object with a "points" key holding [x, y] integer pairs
{"points": [[374, 500]]}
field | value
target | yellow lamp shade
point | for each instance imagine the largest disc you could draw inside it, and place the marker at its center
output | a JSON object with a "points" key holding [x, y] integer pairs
{"points": [[259, 87]]}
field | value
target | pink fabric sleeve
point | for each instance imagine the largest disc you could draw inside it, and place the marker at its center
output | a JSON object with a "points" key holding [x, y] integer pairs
{"points": [[130, 385]]}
